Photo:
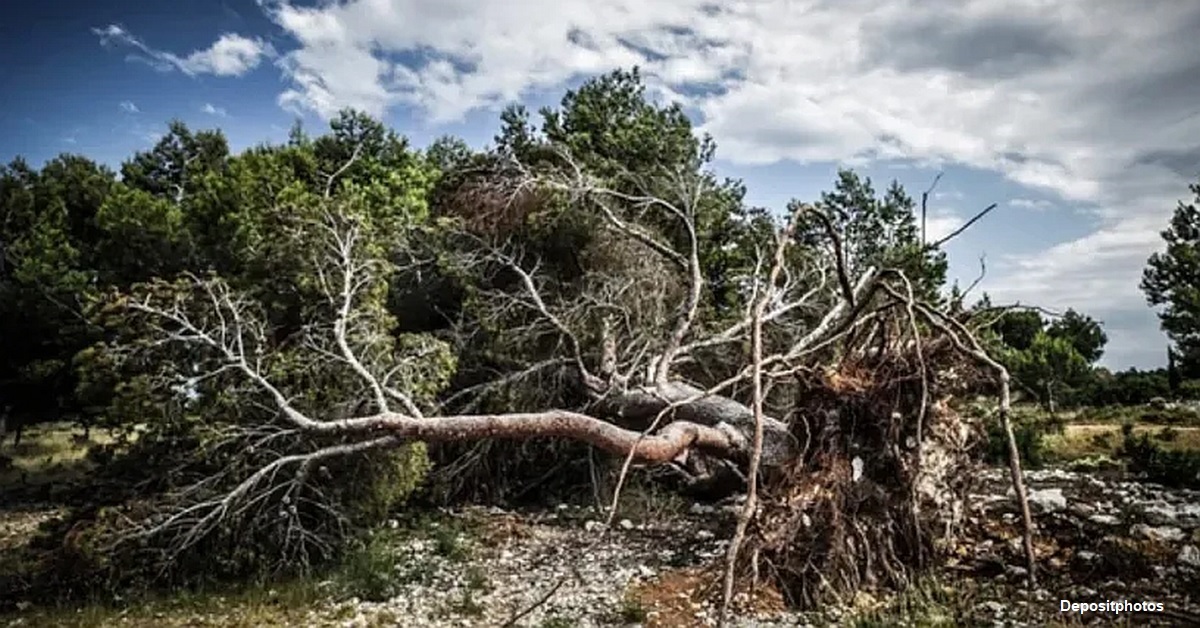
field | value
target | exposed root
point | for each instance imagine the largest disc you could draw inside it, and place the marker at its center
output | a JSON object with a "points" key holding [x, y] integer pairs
{"points": [[863, 506]]}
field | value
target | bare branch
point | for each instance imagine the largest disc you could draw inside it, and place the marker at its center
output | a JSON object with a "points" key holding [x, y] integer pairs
{"points": [[925, 201], [332, 178], [756, 365], [964, 227]]}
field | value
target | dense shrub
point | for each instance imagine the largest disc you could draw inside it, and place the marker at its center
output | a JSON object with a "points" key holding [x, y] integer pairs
{"points": [[92, 550], [1030, 432], [1167, 467]]}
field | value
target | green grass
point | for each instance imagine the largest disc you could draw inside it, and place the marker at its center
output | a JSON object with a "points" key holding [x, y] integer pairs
{"points": [[277, 604], [49, 453], [929, 603]]}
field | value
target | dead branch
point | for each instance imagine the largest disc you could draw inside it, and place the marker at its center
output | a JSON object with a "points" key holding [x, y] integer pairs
{"points": [[756, 378], [964, 227]]}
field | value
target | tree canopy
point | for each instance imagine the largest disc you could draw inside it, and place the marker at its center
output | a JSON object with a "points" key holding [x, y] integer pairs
{"points": [[1171, 282]]}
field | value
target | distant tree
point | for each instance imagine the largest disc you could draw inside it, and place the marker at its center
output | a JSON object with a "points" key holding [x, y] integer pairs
{"points": [[174, 166], [1174, 377], [1018, 328], [1171, 281], [880, 231], [48, 223], [613, 129], [1083, 332], [1049, 367]]}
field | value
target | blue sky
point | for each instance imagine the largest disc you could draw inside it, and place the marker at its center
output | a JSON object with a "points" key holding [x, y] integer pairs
{"points": [[1081, 120]]}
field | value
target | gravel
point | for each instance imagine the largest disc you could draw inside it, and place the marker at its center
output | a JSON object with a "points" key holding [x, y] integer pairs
{"points": [[591, 570]]}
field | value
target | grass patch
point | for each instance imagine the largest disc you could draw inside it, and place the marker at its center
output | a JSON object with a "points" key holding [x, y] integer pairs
{"points": [[557, 621], [1032, 429], [643, 499], [375, 569], [49, 454], [929, 602], [1094, 440], [632, 611], [255, 604]]}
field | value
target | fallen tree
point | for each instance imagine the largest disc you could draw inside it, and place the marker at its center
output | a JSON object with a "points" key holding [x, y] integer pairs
{"points": [[862, 468]]}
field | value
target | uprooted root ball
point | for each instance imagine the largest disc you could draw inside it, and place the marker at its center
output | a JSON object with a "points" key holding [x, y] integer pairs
{"points": [[863, 507]]}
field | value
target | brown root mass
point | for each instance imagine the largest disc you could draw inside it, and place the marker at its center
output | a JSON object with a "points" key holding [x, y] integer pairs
{"points": [[863, 506]]}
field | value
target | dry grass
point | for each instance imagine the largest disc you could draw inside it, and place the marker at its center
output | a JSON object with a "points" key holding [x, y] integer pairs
{"points": [[49, 453], [1089, 440]]}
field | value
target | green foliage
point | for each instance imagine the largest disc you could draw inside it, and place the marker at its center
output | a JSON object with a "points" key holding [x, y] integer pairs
{"points": [[47, 270], [611, 124], [1030, 431], [1082, 332], [1047, 367], [625, 141], [1126, 388], [1176, 468], [1171, 282], [632, 144], [369, 571], [880, 231], [1018, 328], [143, 236], [172, 169], [187, 226], [1050, 360], [1178, 414]]}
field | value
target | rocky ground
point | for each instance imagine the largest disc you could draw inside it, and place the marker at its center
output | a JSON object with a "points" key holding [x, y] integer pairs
{"points": [[593, 577], [1098, 539]]}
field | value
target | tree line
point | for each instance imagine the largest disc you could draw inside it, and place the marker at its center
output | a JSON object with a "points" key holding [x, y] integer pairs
{"points": [[74, 229]]}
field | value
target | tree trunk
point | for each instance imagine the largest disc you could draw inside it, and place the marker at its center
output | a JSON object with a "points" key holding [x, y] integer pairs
{"points": [[638, 408]]}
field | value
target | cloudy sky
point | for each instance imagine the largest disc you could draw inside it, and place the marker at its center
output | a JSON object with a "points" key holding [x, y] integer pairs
{"points": [[1080, 118]]}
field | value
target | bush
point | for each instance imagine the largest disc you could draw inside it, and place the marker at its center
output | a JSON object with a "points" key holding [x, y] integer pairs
{"points": [[1030, 432], [92, 551], [1170, 468], [1094, 464], [1132, 387], [1167, 434]]}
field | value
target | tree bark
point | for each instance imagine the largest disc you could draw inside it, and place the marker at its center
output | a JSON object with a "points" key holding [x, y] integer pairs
{"points": [[665, 445], [638, 407]]}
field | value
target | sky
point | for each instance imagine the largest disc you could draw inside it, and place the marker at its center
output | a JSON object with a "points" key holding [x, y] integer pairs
{"points": [[1080, 119]]}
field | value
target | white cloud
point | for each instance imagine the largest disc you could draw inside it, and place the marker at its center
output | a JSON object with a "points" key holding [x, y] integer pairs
{"points": [[230, 55], [1007, 87], [213, 110], [1032, 204], [129, 107]]}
